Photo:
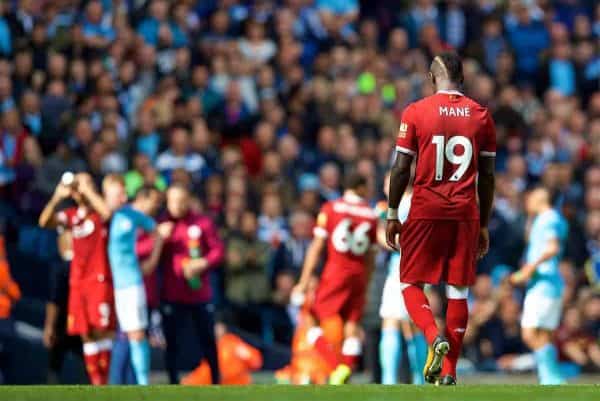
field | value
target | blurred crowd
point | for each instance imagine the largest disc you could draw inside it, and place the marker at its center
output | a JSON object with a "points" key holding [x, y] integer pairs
{"points": [[262, 107]]}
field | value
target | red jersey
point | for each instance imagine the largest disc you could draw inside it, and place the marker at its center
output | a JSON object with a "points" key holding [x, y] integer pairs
{"points": [[90, 235], [350, 226], [447, 132]]}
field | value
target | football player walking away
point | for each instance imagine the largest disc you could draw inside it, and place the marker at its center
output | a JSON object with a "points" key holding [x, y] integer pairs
{"points": [[454, 142]]}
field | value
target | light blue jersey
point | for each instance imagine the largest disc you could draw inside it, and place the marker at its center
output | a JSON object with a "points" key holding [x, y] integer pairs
{"points": [[121, 245], [394, 262], [546, 281]]}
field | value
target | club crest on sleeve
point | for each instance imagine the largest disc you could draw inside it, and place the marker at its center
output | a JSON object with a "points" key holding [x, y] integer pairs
{"points": [[403, 130]]}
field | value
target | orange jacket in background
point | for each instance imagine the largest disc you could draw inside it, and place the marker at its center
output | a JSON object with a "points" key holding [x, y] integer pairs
{"points": [[236, 360], [9, 289]]}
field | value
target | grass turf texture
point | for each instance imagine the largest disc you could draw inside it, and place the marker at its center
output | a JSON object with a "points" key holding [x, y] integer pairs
{"points": [[303, 393]]}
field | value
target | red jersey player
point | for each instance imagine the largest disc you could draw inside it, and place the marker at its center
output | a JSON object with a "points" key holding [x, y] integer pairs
{"points": [[453, 139], [91, 306], [345, 227]]}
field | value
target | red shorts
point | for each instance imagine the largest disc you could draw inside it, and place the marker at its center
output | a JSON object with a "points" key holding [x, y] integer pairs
{"points": [[435, 251], [340, 295], [91, 307]]}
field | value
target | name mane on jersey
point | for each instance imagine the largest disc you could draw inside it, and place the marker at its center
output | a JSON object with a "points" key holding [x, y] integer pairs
{"points": [[450, 111], [84, 229], [354, 210]]}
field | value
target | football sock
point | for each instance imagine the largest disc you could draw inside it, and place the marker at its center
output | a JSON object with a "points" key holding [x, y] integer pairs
{"points": [[140, 359], [90, 357], [419, 310], [390, 351], [105, 349], [547, 365], [351, 351], [416, 348], [315, 337], [457, 316]]}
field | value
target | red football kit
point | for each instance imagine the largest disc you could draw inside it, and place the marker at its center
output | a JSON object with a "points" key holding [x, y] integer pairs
{"points": [[349, 224], [91, 302], [446, 132]]}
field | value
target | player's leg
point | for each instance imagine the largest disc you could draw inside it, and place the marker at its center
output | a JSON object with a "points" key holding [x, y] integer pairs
{"points": [[101, 315], [423, 258], [416, 349], [327, 338], [132, 313], [391, 311], [390, 351], [457, 316], [541, 315], [78, 324], [460, 274]]}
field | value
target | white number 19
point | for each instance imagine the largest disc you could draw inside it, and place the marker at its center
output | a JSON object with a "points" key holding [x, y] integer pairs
{"points": [[448, 151]]}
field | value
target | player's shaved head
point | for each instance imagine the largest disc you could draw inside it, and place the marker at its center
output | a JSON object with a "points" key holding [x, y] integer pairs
{"points": [[446, 71]]}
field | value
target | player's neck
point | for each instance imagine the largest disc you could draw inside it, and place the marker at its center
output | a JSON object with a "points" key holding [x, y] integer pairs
{"points": [[352, 196], [544, 209], [447, 86]]}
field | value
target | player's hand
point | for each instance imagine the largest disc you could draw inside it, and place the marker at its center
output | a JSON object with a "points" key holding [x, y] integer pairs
{"points": [[85, 184], [49, 337], [518, 278], [484, 242], [165, 229], [392, 234], [62, 192], [298, 294]]}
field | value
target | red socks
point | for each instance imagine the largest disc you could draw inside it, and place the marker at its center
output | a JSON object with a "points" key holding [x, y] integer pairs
{"points": [[419, 310], [90, 357], [96, 356], [325, 349], [457, 316], [105, 347], [351, 351]]}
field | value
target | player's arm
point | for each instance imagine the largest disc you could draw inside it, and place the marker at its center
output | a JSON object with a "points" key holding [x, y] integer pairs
{"points": [[485, 190], [528, 269], [311, 261], [486, 181], [48, 216], [162, 232], [399, 179], [85, 186], [149, 264]]}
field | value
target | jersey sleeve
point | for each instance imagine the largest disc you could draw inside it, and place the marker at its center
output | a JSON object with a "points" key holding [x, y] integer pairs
{"points": [[407, 136], [63, 218], [321, 227], [551, 229], [488, 137], [146, 222]]}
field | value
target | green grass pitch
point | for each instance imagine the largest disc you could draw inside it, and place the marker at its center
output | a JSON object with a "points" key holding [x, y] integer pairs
{"points": [[303, 393]]}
